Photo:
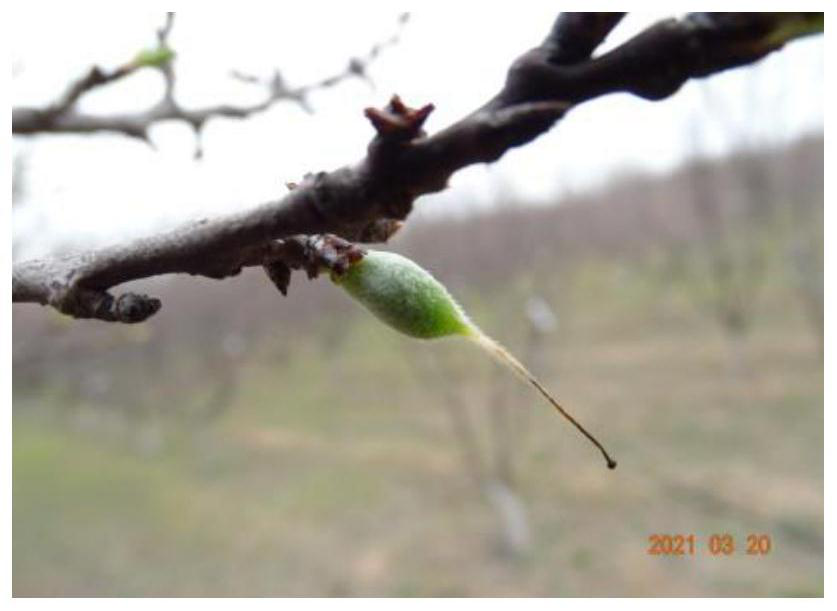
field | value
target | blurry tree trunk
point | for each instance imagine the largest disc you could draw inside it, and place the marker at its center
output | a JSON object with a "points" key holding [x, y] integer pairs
{"points": [[482, 466], [803, 181], [807, 263], [731, 294], [735, 212], [492, 463]]}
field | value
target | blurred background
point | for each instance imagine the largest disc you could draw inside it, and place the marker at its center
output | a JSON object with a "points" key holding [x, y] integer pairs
{"points": [[658, 265]]}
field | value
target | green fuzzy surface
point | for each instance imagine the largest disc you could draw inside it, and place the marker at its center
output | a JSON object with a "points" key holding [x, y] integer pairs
{"points": [[404, 296]]}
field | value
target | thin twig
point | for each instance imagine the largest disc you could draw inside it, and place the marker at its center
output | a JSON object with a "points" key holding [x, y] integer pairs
{"points": [[63, 116]]}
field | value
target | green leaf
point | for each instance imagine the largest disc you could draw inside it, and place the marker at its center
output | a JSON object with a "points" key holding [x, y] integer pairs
{"points": [[154, 58]]}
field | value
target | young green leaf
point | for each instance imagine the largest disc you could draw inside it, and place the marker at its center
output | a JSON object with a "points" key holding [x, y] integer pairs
{"points": [[153, 58], [409, 299]]}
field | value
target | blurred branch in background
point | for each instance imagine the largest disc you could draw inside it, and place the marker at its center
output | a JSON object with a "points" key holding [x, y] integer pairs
{"points": [[63, 115], [164, 378], [404, 163], [492, 436], [805, 247], [485, 458], [806, 256], [736, 263], [742, 220]]}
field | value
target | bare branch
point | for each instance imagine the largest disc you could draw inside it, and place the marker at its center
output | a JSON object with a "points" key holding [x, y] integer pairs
{"points": [[62, 116], [365, 201]]}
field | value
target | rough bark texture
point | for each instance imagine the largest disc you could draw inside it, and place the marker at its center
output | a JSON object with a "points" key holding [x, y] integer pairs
{"points": [[364, 202]]}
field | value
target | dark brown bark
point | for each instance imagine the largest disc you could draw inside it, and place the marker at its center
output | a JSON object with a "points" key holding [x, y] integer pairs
{"points": [[363, 202]]}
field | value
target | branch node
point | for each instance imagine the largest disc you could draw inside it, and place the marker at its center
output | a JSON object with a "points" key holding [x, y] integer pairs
{"points": [[133, 307], [330, 252], [101, 305]]}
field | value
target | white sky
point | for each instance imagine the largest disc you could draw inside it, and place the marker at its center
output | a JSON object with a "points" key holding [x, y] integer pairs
{"points": [[84, 191]]}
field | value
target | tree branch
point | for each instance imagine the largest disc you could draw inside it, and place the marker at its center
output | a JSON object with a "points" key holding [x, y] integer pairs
{"points": [[62, 116], [364, 202]]}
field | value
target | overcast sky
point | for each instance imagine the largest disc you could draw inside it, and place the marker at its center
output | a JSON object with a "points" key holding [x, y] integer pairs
{"points": [[84, 191]]}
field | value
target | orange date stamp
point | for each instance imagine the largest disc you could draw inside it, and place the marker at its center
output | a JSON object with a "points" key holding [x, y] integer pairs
{"points": [[718, 545]]}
